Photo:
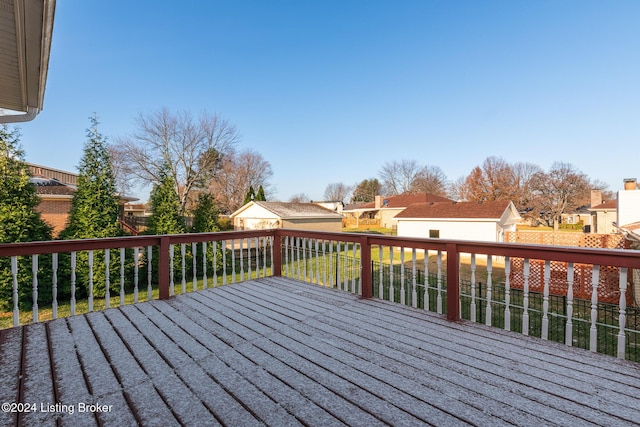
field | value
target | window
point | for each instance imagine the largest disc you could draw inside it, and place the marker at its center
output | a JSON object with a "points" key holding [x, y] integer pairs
{"points": [[434, 234]]}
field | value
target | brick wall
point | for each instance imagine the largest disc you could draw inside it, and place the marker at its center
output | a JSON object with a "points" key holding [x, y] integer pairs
{"points": [[55, 213]]}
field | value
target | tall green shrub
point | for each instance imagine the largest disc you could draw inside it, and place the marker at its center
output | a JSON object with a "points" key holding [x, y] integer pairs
{"points": [[19, 221], [94, 214]]}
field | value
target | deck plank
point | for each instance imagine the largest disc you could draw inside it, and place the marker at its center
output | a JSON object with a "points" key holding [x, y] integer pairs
{"points": [[275, 351]]}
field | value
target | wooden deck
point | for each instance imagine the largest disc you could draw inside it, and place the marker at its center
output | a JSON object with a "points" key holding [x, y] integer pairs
{"points": [[279, 352]]}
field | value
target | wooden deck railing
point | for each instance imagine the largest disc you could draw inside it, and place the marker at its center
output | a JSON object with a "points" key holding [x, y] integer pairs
{"points": [[503, 285]]}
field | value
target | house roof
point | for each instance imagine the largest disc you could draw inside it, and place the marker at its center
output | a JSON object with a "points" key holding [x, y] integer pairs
{"points": [[289, 210], [485, 210], [400, 201], [608, 205], [52, 186], [27, 27]]}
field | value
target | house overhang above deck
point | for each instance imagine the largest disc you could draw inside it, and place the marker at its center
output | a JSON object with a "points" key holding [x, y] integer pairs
{"points": [[25, 40]]}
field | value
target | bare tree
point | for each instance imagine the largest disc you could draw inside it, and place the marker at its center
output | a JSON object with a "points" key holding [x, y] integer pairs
{"points": [[456, 188], [237, 173], [495, 180], [192, 148], [430, 179], [397, 177], [121, 172], [299, 198], [563, 188], [337, 191]]}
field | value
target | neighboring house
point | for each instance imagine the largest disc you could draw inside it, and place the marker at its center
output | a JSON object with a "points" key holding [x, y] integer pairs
{"points": [[628, 203], [482, 221], [56, 189], [306, 216], [337, 207], [603, 216], [384, 209]]}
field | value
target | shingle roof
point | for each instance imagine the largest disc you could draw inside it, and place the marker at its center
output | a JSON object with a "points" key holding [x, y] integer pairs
{"points": [[404, 200], [52, 186], [609, 204], [487, 209], [298, 210]]}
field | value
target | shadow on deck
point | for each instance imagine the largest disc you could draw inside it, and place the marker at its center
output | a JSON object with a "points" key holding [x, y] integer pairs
{"points": [[279, 352]]}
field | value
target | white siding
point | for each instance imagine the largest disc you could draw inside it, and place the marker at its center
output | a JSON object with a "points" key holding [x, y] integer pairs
{"points": [[449, 229], [628, 206]]}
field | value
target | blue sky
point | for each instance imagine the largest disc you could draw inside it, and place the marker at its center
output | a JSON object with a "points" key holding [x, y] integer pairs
{"points": [[328, 91]]}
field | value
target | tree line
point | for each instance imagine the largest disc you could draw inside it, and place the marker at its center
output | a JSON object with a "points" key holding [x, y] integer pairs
{"points": [[541, 196]]}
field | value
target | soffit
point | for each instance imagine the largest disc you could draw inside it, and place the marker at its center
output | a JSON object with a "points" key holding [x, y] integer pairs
{"points": [[26, 27]]}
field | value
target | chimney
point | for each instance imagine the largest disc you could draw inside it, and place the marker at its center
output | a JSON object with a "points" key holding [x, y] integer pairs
{"points": [[596, 197], [378, 202], [630, 184]]}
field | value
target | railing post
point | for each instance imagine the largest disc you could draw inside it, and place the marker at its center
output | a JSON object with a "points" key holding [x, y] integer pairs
{"points": [[277, 254], [163, 267], [365, 265], [453, 283]]}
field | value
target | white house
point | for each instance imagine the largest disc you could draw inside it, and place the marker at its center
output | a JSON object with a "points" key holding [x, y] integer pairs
{"points": [[483, 221], [306, 216], [628, 203]]}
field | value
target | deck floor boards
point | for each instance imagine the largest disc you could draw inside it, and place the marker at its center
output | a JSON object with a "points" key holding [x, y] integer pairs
{"points": [[279, 352]]}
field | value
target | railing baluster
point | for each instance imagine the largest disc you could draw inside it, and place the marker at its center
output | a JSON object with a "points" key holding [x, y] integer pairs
{"points": [[593, 331], [194, 266], [568, 340], [622, 318], [545, 300], [507, 294], [488, 319], [380, 273], [338, 266], [297, 242], [204, 266], [271, 241], [354, 270], [34, 271], [90, 280], [136, 262], [331, 264], [473, 288], [214, 246], [287, 250], [224, 262], [14, 274], [439, 295], [392, 288], [150, 273], [317, 262], [171, 273], [525, 299], [426, 279], [414, 291], [249, 240], [183, 267], [402, 284], [107, 280], [304, 259], [233, 261], [122, 289], [54, 285], [324, 262], [268, 243], [241, 261]]}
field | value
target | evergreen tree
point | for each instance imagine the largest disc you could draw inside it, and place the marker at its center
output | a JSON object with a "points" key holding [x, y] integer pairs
{"points": [[94, 210], [260, 197], [94, 213], [205, 216], [205, 220], [19, 222], [165, 207], [251, 195]]}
